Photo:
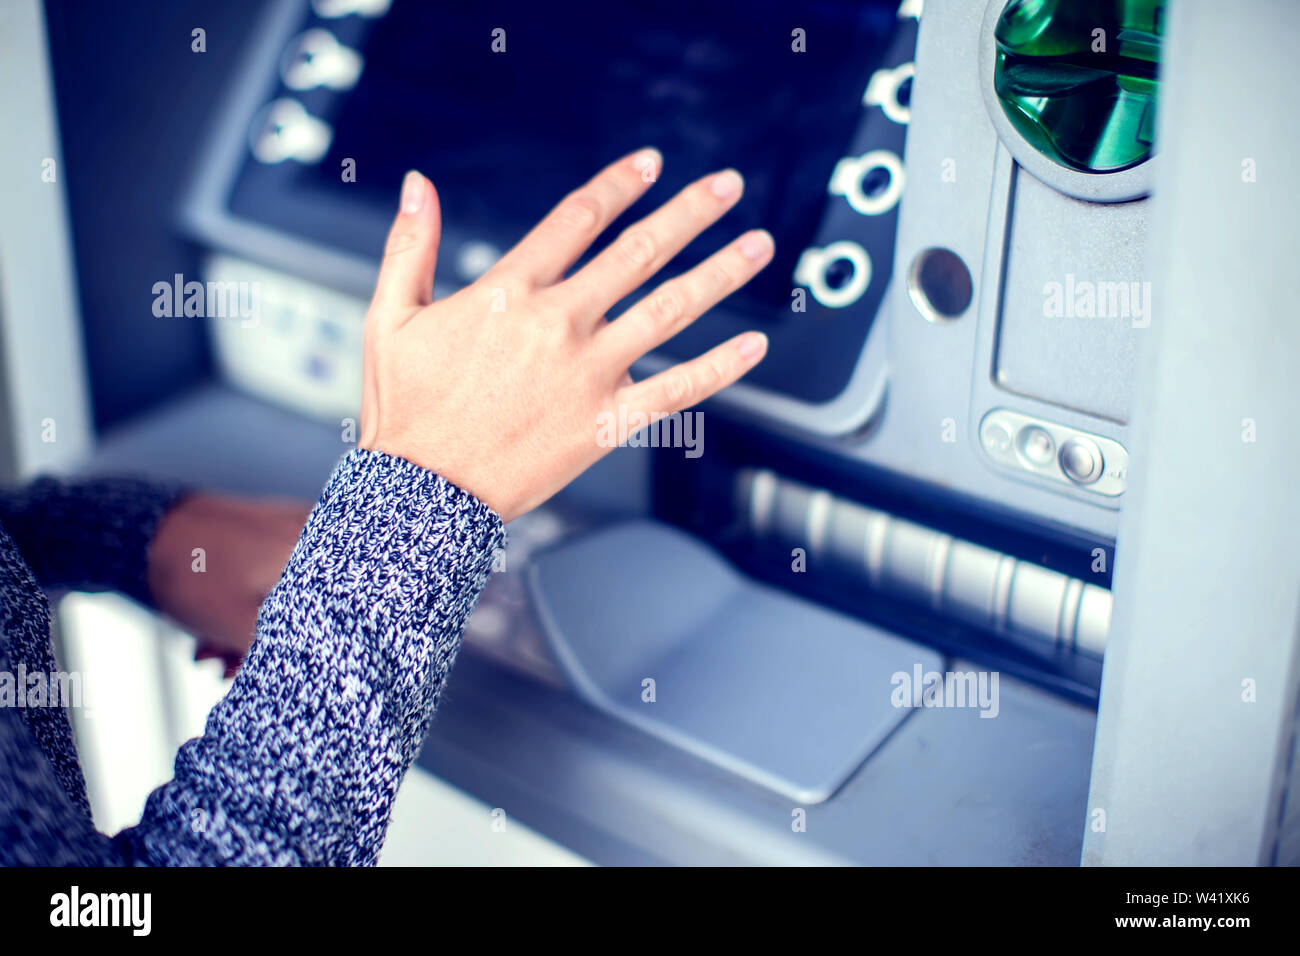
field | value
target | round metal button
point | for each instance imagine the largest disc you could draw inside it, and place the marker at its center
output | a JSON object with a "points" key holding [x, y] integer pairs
{"points": [[1035, 445], [996, 438], [1081, 460]]}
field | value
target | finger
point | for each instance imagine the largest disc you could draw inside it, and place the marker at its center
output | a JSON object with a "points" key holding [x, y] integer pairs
{"points": [[679, 302], [692, 382], [646, 246], [557, 242], [406, 274]]}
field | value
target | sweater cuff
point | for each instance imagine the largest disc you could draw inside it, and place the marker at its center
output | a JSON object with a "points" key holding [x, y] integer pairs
{"points": [[379, 504], [390, 566]]}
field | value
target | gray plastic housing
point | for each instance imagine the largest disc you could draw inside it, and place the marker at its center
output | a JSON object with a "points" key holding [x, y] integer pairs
{"points": [[1196, 756], [1016, 235], [768, 686]]}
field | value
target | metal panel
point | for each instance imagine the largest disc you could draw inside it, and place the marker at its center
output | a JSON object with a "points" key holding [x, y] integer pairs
{"points": [[1198, 697], [44, 408]]}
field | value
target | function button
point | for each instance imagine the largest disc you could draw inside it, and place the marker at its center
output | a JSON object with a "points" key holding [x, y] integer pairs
{"points": [[996, 438], [871, 183], [1081, 460], [1036, 445], [890, 90], [284, 130], [317, 59], [831, 284]]}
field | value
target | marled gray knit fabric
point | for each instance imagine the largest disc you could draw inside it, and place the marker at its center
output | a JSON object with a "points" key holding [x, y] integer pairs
{"points": [[88, 536], [300, 762]]}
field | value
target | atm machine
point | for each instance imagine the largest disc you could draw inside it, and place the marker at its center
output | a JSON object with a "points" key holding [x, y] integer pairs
{"points": [[991, 561]]}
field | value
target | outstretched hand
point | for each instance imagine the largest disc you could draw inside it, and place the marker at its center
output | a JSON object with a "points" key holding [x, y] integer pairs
{"points": [[500, 387]]}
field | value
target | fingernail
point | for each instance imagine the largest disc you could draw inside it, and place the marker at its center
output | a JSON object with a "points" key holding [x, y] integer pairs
{"points": [[412, 193], [726, 184], [755, 245], [752, 346], [647, 162]]}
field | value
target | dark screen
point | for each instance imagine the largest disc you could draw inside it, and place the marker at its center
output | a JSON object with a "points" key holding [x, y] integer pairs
{"points": [[505, 134]]}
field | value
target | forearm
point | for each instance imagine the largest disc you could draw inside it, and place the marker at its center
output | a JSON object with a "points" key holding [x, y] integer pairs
{"points": [[88, 534], [300, 762]]}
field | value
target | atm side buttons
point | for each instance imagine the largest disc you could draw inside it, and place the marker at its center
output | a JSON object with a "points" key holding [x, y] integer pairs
{"points": [[1067, 456]]}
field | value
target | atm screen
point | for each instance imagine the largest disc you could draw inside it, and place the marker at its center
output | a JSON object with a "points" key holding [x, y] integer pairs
{"points": [[711, 85], [506, 123]]}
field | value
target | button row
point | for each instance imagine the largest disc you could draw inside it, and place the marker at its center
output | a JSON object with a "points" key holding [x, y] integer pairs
{"points": [[1066, 455]]}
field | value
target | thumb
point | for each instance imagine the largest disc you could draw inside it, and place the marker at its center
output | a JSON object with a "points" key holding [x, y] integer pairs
{"points": [[406, 274]]}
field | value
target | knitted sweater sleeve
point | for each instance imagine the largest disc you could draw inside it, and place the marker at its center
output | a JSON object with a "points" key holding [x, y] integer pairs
{"points": [[88, 534], [300, 762]]}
